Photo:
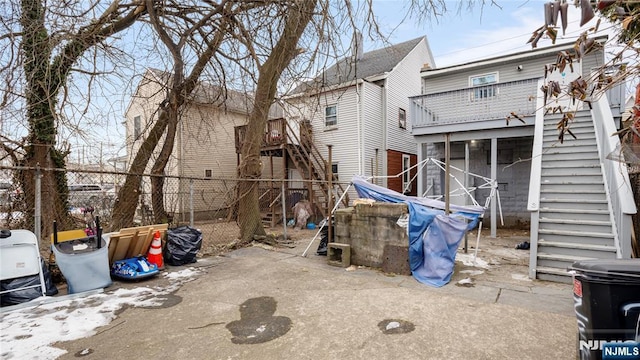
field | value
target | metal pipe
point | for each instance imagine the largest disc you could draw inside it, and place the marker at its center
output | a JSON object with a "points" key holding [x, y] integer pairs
{"points": [[284, 213], [447, 164], [38, 204], [330, 193], [191, 202]]}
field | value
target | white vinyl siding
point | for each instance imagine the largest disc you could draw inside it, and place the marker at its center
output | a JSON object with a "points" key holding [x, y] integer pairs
{"points": [[531, 68], [403, 81], [343, 138], [373, 131]]}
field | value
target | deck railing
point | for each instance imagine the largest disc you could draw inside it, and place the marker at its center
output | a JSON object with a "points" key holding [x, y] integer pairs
{"points": [[495, 101], [274, 134]]}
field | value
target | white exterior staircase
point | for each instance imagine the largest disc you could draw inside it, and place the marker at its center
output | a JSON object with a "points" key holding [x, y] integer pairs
{"points": [[573, 215]]}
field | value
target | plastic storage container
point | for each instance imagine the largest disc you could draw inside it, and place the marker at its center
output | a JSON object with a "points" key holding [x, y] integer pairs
{"points": [[606, 295], [84, 264]]}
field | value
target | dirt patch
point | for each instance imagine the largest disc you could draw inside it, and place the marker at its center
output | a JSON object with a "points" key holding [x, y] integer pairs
{"points": [[221, 237]]}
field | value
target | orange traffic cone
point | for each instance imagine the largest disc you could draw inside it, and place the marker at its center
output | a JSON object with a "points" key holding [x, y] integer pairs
{"points": [[155, 251]]}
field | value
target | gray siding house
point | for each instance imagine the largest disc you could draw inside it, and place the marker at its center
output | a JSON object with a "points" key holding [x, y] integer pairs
{"points": [[493, 115]]}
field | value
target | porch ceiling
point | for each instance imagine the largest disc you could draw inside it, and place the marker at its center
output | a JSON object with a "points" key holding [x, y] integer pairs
{"points": [[486, 129]]}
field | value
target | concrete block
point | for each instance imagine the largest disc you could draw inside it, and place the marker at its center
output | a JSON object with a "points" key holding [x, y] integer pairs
{"points": [[395, 259], [339, 254]]}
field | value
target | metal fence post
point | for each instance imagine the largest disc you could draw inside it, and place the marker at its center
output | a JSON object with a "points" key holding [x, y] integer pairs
{"points": [[191, 202], [38, 204], [284, 212]]}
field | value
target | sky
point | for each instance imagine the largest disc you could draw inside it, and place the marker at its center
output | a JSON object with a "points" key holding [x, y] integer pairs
{"points": [[468, 35]]}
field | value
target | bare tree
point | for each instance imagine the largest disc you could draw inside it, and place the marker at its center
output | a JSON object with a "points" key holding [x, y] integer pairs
{"points": [[299, 14], [46, 41], [211, 24]]}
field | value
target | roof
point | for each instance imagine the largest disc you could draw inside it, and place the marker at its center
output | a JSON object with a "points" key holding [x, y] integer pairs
{"points": [[372, 63], [214, 95]]}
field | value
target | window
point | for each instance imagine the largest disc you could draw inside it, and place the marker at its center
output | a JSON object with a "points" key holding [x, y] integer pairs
{"points": [[207, 173], [406, 174], [402, 118], [331, 115], [483, 86], [334, 170], [137, 127]]}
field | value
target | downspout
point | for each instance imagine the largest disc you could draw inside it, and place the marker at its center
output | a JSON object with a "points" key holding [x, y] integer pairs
{"points": [[181, 165], [360, 129], [383, 100]]}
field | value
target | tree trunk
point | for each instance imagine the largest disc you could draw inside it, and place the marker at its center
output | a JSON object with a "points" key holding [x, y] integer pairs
{"points": [[249, 217], [46, 71], [126, 203], [41, 99], [157, 181]]}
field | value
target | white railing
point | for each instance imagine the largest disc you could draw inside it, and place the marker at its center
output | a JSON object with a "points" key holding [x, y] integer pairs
{"points": [[494, 101], [616, 176], [533, 204]]}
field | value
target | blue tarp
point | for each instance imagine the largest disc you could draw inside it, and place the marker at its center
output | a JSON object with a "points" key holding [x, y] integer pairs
{"points": [[434, 237]]}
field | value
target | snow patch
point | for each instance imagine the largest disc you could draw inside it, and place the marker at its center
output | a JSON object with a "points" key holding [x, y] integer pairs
{"points": [[27, 333], [471, 260]]}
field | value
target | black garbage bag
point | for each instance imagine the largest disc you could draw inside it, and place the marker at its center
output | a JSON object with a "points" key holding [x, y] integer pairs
{"points": [[183, 244], [21, 296], [324, 237]]}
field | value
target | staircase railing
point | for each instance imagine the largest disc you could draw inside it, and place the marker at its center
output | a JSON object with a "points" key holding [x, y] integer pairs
{"points": [[315, 163], [616, 176], [533, 204]]}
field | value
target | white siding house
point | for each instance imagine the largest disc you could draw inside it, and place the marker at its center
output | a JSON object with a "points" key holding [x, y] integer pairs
{"points": [[354, 107]]}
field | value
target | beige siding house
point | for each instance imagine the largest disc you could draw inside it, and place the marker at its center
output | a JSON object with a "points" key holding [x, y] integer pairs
{"points": [[204, 147]]}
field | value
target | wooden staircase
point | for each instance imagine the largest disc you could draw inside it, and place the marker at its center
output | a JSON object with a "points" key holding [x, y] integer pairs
{"points": [[280, 140], [574, 219], [315, 170]]}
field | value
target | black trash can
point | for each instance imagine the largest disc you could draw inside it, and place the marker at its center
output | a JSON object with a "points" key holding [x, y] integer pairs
{"points": [[606, 295], [324, 236]]}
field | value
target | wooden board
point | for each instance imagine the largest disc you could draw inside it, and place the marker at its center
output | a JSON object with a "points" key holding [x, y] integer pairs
{"points": [[135, 241], [70, 235], [118, 246]]}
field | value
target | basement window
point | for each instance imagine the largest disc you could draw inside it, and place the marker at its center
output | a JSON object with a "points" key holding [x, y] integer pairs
{"points": [[334, 170]]}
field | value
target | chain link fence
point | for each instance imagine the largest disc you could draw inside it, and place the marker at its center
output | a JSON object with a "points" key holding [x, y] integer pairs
{"points": [[209, 204]]}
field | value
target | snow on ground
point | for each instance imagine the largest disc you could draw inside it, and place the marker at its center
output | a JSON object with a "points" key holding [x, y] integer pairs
{"points": [[472, 260], [28, 332]]}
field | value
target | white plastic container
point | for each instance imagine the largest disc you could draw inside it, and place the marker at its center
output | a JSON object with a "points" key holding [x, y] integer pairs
{"points": [[83, 264]]}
